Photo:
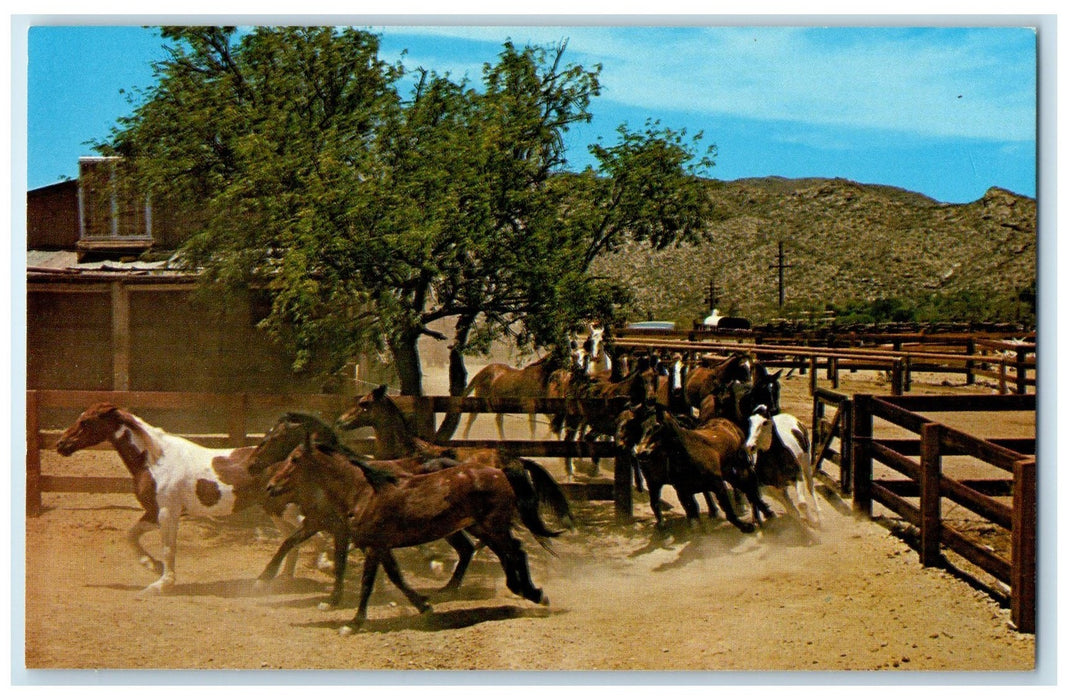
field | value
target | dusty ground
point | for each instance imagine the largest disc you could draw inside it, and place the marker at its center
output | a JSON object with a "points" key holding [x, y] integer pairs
{"points": [[622, 598]]}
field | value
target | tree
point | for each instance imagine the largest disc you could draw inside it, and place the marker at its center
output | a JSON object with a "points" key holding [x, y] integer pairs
{"points": [[366, 216]]}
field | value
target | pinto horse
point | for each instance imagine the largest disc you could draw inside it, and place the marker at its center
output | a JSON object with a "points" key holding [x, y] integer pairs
{"points": [[385, 511], [173, 476], [394, 438], [706, 458], [779, 446]]}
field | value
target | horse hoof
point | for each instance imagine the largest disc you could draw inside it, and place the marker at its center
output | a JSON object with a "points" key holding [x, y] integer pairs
{"points": [[347, 631], [152, 591], [544, 600], [261, 586], [326, 605], [152, 565]]}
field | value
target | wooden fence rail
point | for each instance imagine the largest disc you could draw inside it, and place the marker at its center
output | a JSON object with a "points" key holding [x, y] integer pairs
{"points": [[237, 408], [1011, 364], [924, 478]]}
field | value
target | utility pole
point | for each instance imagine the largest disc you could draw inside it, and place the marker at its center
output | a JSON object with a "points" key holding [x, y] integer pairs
{"points": [[711, 299], [781, 266]]}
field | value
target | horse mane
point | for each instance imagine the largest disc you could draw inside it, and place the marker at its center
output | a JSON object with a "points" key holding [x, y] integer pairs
{"points": [[375, 476], [140, 427]]}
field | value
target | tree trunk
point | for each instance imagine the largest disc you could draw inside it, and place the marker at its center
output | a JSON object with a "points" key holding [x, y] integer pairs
{"points": [[457, 375], [405, 349]]}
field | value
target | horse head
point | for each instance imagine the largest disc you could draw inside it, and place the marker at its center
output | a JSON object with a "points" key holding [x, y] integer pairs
{"points": [[369, 411], [286, 434], [107, 422], [765, 389], [761, 431], [650, 431], [96, 424]]}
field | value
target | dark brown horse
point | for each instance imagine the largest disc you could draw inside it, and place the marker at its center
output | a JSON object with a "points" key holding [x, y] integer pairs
{"points": [[293, 429], [705, 381], [385, 511], [706, 458], [394, 438], [590, 421]]}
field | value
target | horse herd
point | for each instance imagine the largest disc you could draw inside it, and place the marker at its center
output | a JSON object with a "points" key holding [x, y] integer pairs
{"points": [[703, 431]]}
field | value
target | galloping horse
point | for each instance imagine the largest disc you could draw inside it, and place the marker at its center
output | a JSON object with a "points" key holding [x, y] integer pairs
{"points": [[601, 420], [501, 381], [779, 445], [173, 476], [386, 511], [318, 516], [706, 458], [394, 438]]}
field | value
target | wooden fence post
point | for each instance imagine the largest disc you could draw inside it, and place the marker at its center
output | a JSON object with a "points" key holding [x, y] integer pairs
{"points": [[930, 494], [812, 375], [969, 365], [1024, 527], [845, 468], [862, 462], [623, 477], [33, 456], [817, 432], [1021, 371], [897, 378]]}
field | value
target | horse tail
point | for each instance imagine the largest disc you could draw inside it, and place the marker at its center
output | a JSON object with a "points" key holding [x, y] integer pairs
{"points": [[549, 492], [527, 505]]}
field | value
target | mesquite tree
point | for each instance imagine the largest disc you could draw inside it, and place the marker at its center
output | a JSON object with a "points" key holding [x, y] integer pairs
{"points": [[368, 202]]}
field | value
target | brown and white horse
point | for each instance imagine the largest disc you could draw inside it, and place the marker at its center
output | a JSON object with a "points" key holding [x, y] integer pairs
{"points": [[173, 476], [779, 446]]}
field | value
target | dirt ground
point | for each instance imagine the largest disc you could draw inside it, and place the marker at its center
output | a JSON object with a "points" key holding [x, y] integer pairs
{"points": [[853, 597]]}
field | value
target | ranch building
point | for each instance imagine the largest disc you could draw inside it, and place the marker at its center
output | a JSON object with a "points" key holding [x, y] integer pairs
{"points": [[103, 315]]}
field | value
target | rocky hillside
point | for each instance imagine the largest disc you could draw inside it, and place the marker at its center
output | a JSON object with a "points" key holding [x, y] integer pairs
{"points": [[843, 242]]}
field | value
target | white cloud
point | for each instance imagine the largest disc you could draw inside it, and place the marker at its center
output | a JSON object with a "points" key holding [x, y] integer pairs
{"points": [[970, 84]]}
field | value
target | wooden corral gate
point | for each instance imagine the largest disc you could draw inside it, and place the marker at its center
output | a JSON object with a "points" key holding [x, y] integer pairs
{"points": [[237, 409], [824, 433], [1009, 503]]}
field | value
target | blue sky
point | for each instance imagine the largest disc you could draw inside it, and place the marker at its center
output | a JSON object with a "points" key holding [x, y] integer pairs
{"points": [[943, 110]]}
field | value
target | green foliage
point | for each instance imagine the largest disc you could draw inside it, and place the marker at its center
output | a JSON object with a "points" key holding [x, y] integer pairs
{"points": [[366, 215]]}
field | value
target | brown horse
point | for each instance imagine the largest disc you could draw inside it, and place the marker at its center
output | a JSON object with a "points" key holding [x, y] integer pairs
{"points": [[501, 381], [600, 419], [385, 511], [173, 476], [706, 458], [394, 438], [293, 429], [705, 381]]}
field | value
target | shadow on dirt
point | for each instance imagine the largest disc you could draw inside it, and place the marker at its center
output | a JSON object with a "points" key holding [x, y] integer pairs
{"points": [[446, 620]]}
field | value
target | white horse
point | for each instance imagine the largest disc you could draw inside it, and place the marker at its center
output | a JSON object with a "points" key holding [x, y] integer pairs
{"points": [[173, 476], [597, 360], [779, 445]]}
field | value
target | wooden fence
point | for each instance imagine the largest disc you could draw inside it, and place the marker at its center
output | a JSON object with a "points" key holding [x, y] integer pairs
{"points": [[925, 480], [235, 433], [827, 433], [1012, 364]]}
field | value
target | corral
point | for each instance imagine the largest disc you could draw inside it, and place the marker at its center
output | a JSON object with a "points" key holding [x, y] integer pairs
{"points": [[624, 596]]}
